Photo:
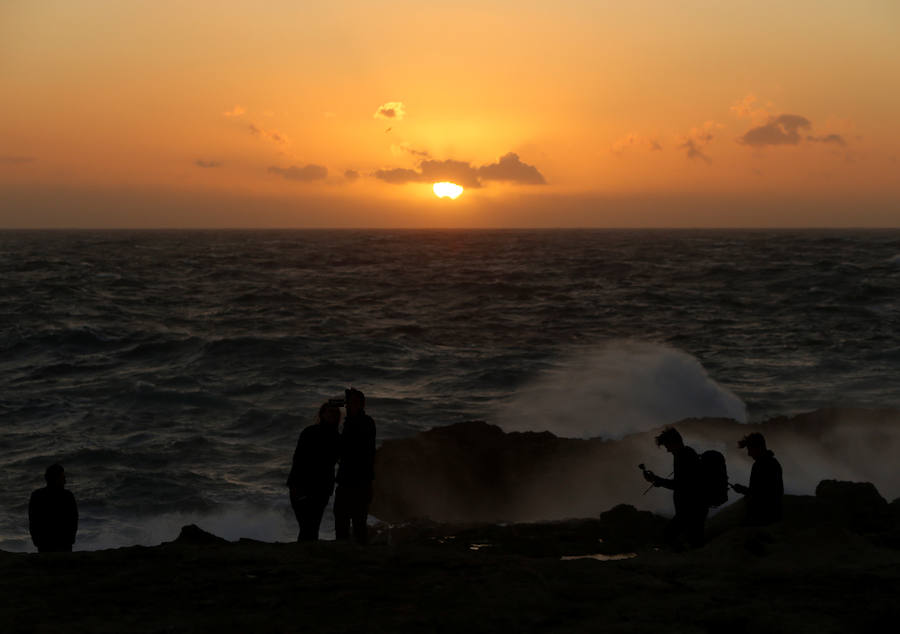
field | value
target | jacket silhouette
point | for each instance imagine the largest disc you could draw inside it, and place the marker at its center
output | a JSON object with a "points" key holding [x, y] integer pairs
{"points": [[357, 462], [356, 471], [312, 468], [766, 490], [688, 493], [311, 480], [53, 514]]}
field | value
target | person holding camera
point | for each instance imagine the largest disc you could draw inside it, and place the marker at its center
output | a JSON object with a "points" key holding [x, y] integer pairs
{"points": [[356, 471], [766, 488], [687, 486], [311, 481]]}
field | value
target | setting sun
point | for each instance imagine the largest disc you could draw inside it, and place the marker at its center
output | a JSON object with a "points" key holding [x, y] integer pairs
{"points": [[447, 190]]}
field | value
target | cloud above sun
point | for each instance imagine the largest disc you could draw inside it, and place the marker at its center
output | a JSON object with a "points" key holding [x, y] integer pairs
{"points": [[509, 168], [392, 111]]}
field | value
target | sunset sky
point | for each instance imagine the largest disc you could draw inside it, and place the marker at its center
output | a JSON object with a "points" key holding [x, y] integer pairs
{"points": [[570, 113]]}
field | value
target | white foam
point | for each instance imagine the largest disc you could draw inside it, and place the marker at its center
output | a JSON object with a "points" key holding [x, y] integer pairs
{"points": [[618, 389]]}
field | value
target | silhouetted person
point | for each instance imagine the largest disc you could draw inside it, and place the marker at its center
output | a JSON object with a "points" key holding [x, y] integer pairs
{"points": [[766, 485], [356, 470], [53, 514], [690, 506], [311, 481]]}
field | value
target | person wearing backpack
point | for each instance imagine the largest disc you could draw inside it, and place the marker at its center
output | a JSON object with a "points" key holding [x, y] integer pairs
{"points": [[766, 484], [686, 483]]}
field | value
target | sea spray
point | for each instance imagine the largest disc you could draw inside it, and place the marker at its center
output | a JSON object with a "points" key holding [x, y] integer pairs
{"points": [[621, 388]]}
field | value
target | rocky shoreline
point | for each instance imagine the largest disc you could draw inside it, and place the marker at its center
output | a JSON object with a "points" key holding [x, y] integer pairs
{"points": [[457, 551], [833, 565]]}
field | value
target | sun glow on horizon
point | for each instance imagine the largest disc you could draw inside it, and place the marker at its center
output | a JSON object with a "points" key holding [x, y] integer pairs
{"points": [[447, 190]]}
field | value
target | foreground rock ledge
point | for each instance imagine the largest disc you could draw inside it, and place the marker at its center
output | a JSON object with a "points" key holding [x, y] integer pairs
{"points": [[819, 571]]}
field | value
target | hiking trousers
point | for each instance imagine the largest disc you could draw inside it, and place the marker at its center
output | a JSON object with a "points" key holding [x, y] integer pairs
{"points": [[351, 507], [308, 510]]}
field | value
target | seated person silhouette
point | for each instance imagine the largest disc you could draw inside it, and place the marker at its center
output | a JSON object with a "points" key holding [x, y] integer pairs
{"points": [[766, 487], [53, 514]]}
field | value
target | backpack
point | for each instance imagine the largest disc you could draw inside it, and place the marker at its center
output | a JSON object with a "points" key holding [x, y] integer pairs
{"points": [[714, 478]]}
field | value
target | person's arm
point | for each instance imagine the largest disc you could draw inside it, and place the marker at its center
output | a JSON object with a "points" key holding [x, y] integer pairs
{"points": [[656, 481], [666, 483], [740, 488], [371, 448], [33, 521], [296, 462]]}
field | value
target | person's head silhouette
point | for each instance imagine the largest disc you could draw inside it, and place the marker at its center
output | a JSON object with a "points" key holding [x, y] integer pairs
{"points": [[755, 444], [55, 476], [670, 439], [356, 401], [329, 414]]}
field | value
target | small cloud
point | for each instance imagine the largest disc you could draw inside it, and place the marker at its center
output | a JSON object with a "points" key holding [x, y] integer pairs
{"points": [[509, 168], [207, 164], [512, 170], [837, 139], [234, 112], [16, 160], [781, 130], [747, 108], [431, 171], [393, 110], [401, 149], [399, 176], [306, 174], [697, 139], [694, 151], [634, 140], [351, 175], [270, 135]]}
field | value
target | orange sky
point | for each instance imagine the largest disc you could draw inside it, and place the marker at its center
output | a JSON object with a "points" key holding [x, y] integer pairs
{"points": [[572, 113]]}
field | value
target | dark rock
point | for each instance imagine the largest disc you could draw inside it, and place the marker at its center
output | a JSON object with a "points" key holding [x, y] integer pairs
{"points": [[631, 529], [195, 536], [474, 472], [856, 505]]}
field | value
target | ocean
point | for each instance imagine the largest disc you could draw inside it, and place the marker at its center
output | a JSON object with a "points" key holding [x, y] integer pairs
{"points": [[171, 371]]}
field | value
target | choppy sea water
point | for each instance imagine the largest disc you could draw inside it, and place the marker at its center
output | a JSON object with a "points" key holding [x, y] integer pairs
{"points": [[171, 372]]}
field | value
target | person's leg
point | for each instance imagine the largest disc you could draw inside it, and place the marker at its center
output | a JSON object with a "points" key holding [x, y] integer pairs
{"points": [[694, 528], [362, 500], [341, 513], [673, 531], [313, 508], [297, 505]]}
